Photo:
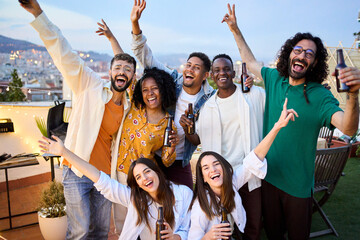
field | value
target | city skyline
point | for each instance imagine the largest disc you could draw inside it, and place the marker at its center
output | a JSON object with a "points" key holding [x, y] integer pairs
{"points": [[187, 26]]}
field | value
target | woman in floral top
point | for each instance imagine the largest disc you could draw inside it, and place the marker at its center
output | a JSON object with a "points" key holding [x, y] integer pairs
{"points": [[144, 126]]}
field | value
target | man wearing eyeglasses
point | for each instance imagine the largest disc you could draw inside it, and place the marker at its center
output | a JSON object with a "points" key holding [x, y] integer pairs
{"points": [[300, 70]]}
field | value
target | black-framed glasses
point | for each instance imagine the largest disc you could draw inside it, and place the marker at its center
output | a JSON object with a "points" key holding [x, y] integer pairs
{"points": [[309, 53]]}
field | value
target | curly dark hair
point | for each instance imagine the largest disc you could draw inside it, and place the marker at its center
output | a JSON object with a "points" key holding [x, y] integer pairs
{"points": [[204, 58], [320, 70], [166, 86], [124, 56]]}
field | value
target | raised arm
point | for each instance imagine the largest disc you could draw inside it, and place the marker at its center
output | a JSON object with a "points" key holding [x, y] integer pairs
{"points": [[68, 62], [245, 51], [253, 163], [104, 30], [263, 147], [57, 147], [347, 121], [135, 15], [139, 47], [32, 7]]}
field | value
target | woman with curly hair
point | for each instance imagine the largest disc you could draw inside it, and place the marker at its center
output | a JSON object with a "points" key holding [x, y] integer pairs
{"points": [[147, 190], [144, 126]]}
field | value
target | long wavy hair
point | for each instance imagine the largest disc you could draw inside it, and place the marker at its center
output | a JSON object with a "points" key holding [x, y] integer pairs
{"points": [[320, 70], [165, 84], [141, 198], [202, 189]]}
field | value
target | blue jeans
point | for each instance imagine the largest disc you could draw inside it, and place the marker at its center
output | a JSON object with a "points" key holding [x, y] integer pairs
{"points": [[88, 212]]}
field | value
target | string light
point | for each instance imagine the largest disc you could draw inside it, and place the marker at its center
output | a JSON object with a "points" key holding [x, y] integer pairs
{"points": [[7, 89], [29, 91]]}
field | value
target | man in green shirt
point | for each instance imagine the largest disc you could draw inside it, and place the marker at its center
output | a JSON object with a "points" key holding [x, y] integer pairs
{"points": [[300, 70]]}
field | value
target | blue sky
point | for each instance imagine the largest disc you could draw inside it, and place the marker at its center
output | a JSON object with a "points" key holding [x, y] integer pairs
{"points": [[184, 26]]}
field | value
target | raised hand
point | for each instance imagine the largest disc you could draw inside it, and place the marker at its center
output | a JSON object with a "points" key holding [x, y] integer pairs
{"points": [[104, 30], [230, 18], [138, 8], [55, 147], [285, 116], [350, 76], [32, 6]]}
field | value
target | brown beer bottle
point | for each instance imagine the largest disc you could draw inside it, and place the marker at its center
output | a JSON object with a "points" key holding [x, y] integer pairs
{"points": [[341, 87], [244, 77], [167, 133], [224, 218], [191, 117], [160, 223]]}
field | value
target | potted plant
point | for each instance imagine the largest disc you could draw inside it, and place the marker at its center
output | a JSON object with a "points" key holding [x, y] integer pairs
{"points": [[51, 212]]}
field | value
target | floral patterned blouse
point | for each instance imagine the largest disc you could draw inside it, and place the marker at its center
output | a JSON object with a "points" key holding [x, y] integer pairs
{"points": [[141, 139]]}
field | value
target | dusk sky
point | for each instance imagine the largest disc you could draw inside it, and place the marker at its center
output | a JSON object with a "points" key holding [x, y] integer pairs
{"points": [[184, 26]]}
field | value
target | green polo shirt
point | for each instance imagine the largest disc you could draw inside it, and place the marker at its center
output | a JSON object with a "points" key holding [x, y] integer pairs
{"points": [[292, 155]]}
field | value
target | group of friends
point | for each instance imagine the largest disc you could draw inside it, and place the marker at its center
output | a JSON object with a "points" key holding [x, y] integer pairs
{"points": [[114, 153]]}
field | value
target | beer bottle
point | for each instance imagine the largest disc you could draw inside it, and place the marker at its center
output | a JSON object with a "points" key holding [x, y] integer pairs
{"points": [[341, 87], [191, 117], [167, 133], [160, 223], [244, 77], [224, 216]]}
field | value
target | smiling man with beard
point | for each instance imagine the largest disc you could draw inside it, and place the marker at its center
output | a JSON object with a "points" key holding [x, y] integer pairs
{"points": [[300, 70], [99, 107]]}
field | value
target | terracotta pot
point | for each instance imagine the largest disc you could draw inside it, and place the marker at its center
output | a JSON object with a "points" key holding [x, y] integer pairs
{"points": [[337, 143], [53, 228]]}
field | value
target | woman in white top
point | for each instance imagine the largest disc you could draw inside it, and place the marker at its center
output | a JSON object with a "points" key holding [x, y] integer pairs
{"points": [[217, 187], [147, 190]]}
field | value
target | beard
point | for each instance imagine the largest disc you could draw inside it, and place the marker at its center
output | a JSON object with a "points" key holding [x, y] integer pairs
{"points": [[299, 75], [120, 89]]}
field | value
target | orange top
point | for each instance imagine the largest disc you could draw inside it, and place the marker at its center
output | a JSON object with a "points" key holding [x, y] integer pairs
{"points": [[101, 154]]}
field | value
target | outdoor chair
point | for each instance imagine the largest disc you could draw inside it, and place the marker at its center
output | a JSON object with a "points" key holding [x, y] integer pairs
{"points": [[329, 164], [327, 134]]}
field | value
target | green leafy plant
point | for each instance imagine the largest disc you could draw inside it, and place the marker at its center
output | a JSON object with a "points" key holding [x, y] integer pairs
{"points": [[40, 123], [52, 201]]}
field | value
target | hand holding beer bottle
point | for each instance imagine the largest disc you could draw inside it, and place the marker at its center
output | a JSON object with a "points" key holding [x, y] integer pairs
{"points": [[340, 86], [160, 223], [222, 230]]}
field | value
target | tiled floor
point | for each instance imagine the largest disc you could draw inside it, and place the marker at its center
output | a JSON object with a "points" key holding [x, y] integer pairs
{"points": [[25, 200]]}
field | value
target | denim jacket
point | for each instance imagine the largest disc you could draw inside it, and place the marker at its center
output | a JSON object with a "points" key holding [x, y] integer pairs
{"points": [[144, 55]]}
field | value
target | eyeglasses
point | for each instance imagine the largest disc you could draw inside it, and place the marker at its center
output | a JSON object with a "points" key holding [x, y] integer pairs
{"points": [[309, 54]]}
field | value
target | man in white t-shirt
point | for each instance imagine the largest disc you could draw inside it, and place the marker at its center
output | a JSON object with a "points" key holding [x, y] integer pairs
{"points": [[230, 123]]}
